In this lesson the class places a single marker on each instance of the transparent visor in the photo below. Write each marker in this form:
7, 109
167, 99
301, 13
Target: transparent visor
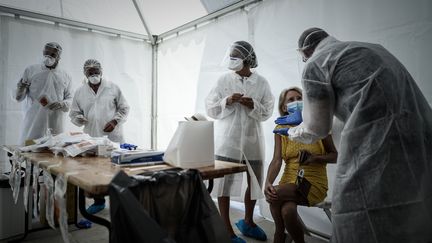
92, 71
302, 53
235, 52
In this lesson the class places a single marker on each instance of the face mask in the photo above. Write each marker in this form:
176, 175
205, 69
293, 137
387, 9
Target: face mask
95, 79
49, 61
294, 106
235, 64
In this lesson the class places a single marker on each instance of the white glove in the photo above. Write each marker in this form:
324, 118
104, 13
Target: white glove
23, 84
80, 119
22, 88
56, 106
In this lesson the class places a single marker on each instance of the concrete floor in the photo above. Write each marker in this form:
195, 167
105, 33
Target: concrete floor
99, 233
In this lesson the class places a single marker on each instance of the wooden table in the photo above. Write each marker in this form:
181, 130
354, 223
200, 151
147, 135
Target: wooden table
94, 174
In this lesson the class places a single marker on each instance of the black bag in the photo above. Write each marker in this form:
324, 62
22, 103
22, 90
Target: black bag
302, 184
164, 206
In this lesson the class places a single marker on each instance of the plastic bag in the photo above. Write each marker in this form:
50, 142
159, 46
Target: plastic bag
15, 176
172, 204
59, 195
49, 189
27, 183
35, 190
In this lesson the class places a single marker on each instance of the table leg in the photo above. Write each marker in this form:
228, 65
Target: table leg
210, 185
93, 218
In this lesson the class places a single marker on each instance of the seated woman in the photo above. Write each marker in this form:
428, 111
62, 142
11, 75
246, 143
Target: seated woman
301, 184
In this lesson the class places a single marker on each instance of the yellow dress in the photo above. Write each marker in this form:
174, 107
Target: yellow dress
315, 173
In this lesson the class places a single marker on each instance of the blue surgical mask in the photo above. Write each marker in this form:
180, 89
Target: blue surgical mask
294, 106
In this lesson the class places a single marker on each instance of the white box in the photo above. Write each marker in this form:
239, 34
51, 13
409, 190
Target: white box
192, 145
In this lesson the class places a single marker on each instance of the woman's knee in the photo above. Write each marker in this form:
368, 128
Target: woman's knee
286, 192
289, 209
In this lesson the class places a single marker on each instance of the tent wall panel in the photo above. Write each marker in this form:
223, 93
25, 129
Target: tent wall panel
125, 62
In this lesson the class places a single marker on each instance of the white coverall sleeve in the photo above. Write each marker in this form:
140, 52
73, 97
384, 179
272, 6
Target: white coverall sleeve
122, 109
67, 96
263, 109
76, 111
216, 106
318, 106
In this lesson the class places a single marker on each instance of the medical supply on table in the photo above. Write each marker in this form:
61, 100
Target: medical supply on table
136, 157
128, 146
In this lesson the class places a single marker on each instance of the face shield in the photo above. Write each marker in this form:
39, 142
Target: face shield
92, 67
302, 51
238, 54
93, 71
308, 40
51, 54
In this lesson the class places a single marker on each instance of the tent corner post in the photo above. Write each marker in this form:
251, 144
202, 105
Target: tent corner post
154, 104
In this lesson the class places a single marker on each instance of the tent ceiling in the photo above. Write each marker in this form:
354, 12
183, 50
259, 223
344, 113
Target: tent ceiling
160, 15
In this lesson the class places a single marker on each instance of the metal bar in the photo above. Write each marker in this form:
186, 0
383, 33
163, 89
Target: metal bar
319, 234
210, 185
152, 40
154, 97
208, 17
328, 213
93, 218
70, 22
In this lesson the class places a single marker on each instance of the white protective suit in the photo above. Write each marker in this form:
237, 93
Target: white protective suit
55, 85
99, 109
383, 186
238, 131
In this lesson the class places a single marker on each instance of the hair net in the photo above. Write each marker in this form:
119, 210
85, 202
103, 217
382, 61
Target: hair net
91, 63
54, 45
282, 98
247, 53
311, 37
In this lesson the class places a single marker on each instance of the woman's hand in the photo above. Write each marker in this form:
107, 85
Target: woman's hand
234, 98
307, 158
270, 193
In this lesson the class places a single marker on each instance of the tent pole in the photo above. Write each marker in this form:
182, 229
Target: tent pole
207, 18
152, 40
70, 22
154, 99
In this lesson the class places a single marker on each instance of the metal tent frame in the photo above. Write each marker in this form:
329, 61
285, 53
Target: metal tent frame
154, 40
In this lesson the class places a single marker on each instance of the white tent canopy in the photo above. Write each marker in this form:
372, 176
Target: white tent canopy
168, 78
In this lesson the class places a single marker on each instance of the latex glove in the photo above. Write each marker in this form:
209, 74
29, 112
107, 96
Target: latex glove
294, 118
22, 88
247, 101
80, 119
281, 131
234, 98
109, 127
22, 85
55, 106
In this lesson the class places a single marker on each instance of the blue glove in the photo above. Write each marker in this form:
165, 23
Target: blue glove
281, 131
294, 118
128, 146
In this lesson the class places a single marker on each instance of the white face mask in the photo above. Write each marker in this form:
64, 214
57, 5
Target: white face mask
95, 79
293, 106
235, 64
49, 61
